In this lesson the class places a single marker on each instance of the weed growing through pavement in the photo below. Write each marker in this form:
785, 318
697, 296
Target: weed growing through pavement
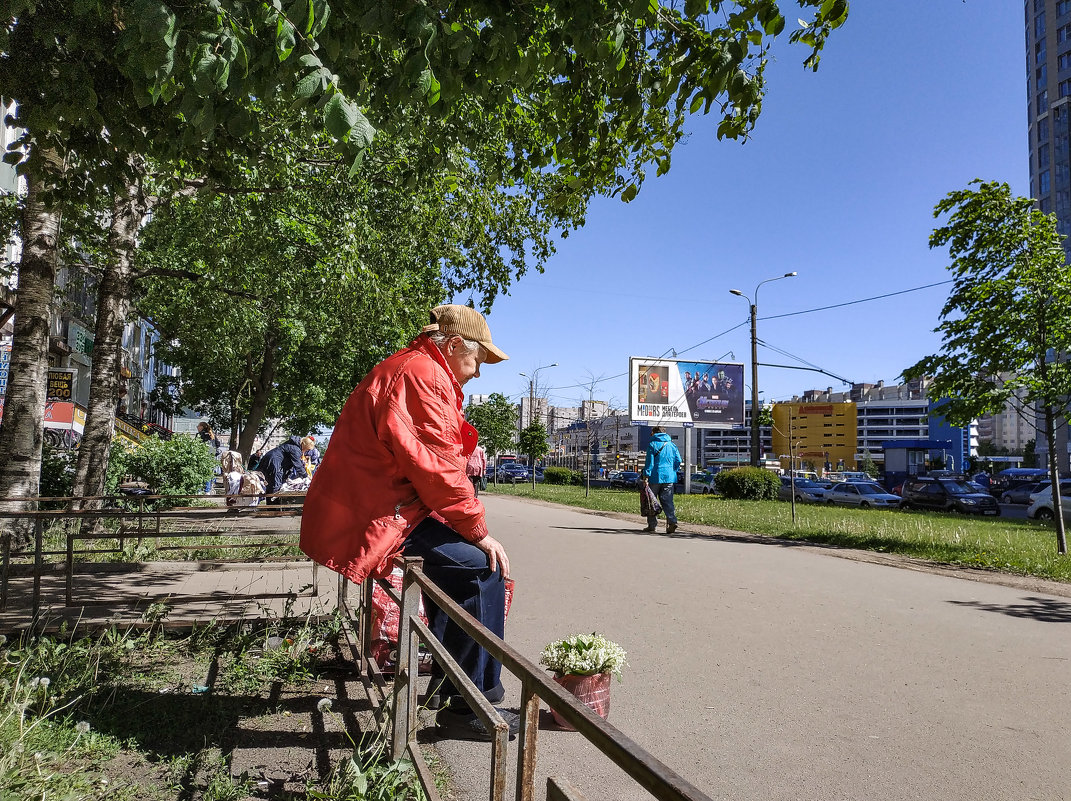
368, 773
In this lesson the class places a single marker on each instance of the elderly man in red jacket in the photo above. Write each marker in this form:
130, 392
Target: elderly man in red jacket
393, 481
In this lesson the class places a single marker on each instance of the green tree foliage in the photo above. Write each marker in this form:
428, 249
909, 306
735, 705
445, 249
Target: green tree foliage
1006, 326
533, 442
1030, 456
496, 422
747, 484
178, 466
585, 97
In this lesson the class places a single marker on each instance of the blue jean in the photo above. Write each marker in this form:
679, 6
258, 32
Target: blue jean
664, 493
462, 571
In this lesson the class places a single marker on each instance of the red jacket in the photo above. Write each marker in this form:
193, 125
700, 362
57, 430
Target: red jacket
397, 455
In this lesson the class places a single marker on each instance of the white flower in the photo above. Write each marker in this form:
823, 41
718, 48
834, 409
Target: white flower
45, 681
82, 726
323, 705
584, 655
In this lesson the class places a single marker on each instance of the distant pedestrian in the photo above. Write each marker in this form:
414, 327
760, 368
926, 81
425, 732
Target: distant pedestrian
660, 471
312, 456
281, 464
211, 441
476, 467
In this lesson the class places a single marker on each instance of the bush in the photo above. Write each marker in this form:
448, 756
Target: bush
57, 472
178, 466
557, 475
748, 484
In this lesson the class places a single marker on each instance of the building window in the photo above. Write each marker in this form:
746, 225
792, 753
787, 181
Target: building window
1043, 183
1039, 52
1063, 61
1063, 200
1046, 205
1043, 157
1039, 25
1062, 7
1043, 130
1041, 77
1043, 101
1065, 88
1063, 34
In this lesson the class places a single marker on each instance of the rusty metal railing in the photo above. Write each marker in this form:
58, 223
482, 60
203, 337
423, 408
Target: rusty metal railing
648, 771
136, 524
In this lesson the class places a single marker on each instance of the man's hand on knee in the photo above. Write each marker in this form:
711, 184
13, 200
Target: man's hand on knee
495, 553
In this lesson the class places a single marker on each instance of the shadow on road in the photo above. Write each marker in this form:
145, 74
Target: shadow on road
1045, 610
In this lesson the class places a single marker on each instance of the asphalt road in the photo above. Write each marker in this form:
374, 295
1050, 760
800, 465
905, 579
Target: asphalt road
763, 670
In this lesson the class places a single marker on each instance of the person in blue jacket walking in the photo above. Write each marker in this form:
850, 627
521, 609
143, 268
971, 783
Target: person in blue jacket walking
660, 471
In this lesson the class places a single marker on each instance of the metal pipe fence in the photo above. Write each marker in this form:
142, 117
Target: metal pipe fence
648, 771
141, 519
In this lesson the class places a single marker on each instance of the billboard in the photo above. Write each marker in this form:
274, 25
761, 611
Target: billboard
675, 392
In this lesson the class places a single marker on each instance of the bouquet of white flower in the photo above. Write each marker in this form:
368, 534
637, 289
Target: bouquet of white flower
584, 655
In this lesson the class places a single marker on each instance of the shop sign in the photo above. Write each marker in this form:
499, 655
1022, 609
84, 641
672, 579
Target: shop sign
80, 339
5, 366
60, 384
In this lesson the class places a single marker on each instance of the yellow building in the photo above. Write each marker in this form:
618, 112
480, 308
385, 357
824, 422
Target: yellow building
816, 434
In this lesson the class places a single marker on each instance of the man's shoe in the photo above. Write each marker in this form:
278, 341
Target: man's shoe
467, 726
671, 527
650, 528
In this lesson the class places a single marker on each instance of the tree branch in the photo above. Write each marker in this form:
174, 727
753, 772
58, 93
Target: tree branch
164, 272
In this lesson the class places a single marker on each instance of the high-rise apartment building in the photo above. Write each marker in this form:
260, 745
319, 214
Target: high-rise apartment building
1048, 84
1048, 93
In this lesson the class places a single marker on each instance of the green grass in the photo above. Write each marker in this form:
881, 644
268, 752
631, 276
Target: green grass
153, 717
1021, 547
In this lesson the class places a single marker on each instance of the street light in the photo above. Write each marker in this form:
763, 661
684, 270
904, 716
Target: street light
531, 404
754, 303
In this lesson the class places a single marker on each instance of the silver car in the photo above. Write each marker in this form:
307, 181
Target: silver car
862, 494
807, 491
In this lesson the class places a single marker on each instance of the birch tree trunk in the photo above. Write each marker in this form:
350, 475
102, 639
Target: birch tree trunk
113, 305
21, 434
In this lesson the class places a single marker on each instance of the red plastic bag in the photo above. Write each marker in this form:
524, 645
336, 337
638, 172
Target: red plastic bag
386, 618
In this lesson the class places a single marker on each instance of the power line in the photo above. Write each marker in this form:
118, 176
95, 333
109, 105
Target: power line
770, 317
853, 302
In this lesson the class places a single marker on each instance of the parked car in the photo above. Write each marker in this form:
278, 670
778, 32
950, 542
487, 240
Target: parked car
862, 494
1013, 477
511, 471
1041, 506
1022, 493
948, 495
807, 491
702, 484
626, 479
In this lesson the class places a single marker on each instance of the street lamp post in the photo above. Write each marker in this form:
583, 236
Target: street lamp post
753, 302
531, 405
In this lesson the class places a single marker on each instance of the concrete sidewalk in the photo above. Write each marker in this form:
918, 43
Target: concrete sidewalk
764, 669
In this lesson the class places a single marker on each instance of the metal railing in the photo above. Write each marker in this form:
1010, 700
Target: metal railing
648, 771
137, 521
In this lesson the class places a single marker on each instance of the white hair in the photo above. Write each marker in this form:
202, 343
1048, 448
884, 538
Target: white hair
440, 338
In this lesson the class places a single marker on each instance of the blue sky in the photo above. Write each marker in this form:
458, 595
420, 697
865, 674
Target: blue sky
913, 99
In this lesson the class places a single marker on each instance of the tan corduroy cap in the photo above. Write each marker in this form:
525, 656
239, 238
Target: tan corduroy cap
468, 323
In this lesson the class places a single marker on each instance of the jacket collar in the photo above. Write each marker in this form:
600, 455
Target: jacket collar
424, 345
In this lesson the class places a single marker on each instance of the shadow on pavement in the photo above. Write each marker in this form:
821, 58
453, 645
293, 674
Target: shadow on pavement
1044, 610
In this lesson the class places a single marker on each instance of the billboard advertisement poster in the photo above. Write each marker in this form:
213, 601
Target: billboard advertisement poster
675, 392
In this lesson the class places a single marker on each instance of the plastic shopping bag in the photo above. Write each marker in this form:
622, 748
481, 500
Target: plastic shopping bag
649, 505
